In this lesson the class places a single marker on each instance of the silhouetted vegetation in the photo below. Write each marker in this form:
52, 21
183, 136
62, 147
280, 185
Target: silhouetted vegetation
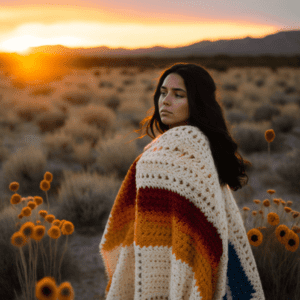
58, 64
217, 62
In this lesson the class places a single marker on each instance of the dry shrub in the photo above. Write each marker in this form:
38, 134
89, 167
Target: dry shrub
76, 98
4, 153
289, 169
128, 82
279, 98
251, 92
83, 154
291, 110
64, 107
128, 72
81, 131
115, 154
97, 73
102, 117
134, 110
9, 120
265, 112
250, 108
27, 166
86, 199
249, 139
236, 116
105, 84
113, 102
228, 101
230, 87
59, 145
50, 121
283, 123
30, 109
43, 91
83, 86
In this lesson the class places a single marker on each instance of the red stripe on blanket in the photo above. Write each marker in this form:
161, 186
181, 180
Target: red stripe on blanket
165, 218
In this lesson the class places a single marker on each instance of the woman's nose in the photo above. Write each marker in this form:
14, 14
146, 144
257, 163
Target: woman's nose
166, 100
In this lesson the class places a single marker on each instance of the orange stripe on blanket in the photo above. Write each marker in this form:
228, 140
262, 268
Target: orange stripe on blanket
122, 215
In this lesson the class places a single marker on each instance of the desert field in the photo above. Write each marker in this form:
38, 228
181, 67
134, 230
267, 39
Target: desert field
81, 128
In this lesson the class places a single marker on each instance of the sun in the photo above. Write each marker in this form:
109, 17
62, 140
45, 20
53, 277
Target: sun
22, 44
26, 65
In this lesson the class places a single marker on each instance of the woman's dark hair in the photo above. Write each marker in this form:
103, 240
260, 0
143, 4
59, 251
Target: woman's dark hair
206, 113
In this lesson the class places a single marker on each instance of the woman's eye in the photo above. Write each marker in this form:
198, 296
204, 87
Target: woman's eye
162, 93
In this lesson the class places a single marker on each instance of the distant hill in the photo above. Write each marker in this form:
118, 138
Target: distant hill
280, 43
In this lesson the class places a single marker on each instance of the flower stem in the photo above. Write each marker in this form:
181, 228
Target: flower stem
25, 271
65, 248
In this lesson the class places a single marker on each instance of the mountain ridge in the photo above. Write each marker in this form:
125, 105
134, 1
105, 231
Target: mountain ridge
280, 43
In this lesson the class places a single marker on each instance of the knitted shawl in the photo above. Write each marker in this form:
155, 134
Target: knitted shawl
174, 232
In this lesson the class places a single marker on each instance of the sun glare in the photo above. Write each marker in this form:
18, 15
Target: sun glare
22, 44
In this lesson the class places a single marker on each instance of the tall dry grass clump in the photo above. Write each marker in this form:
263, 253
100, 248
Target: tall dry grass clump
100, 116
28, 110
39, 264
50, 121
26, 165
273, 233
86, 199
58, 145
80, 131
114, 154
76, 98
289, 170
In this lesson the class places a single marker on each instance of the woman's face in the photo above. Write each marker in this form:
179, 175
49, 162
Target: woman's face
173, 98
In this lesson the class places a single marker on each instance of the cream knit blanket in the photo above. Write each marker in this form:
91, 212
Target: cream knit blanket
173, 232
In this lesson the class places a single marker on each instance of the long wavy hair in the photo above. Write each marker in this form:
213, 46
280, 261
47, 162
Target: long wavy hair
206, 113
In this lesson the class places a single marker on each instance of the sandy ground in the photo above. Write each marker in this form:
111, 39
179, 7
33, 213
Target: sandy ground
85, 249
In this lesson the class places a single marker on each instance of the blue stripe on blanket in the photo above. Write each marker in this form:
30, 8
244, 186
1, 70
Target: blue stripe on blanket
238, 283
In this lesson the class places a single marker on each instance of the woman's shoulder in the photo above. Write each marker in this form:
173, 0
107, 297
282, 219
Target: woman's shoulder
151, 143
186, 135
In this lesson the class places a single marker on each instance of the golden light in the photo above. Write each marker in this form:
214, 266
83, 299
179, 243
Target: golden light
95, 34
18, 44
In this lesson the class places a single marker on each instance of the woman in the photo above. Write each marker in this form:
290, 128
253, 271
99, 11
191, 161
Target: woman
175, 230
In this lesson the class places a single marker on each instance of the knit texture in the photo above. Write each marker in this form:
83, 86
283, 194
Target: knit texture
173, 232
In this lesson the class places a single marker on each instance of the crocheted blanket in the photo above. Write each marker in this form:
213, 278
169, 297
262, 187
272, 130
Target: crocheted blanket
173, 232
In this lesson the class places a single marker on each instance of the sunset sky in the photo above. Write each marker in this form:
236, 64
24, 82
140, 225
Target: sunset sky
136, 24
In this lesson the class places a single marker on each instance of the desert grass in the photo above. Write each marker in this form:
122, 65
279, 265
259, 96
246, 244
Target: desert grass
31, 234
